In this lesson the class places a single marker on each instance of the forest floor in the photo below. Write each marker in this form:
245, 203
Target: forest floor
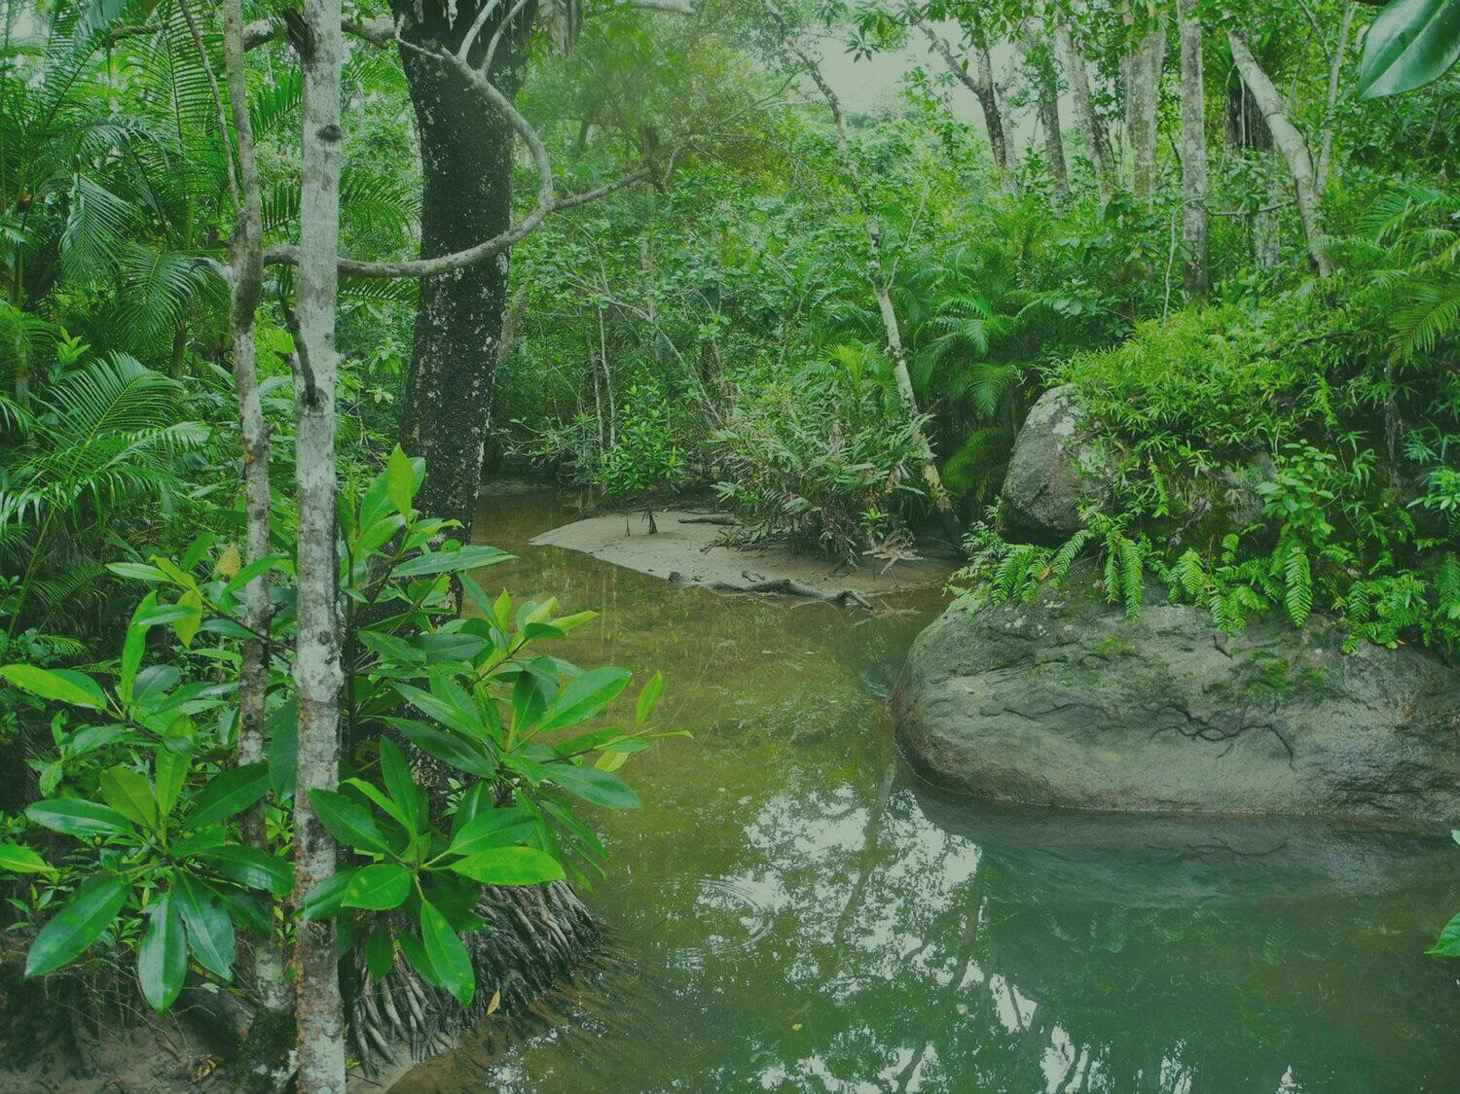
687, 549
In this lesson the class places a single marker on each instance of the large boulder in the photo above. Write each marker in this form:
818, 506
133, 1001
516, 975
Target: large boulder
1059, 466
1064, 702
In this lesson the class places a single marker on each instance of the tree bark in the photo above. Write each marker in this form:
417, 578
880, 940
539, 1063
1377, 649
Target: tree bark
1143, 97
1041, 57
246, 265
1291, 144
317, 671
1193, 151
466, 180
1335, 70
983, 89
1091, 131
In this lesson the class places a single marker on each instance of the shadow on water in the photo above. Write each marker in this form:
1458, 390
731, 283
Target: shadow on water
791, 910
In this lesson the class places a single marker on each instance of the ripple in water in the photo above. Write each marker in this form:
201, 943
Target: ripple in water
711, 918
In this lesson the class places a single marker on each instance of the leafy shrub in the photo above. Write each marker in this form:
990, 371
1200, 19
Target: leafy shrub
821, 469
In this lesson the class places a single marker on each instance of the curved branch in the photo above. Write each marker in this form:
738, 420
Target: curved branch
547, 200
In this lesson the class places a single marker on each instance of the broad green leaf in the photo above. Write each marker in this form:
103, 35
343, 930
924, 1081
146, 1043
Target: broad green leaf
253, 570
1410, 44
79, 923
324, 899
400, 481
229, 793
348, 822
509, 866
204, 839
584, 697
450, 562
383, 803
447, 749
378, 888
1448, 944
76, 817
133, 647
648, 696
252, 867
283, 749
210, 931
379, 953
129, 794
19, 859
419, 960
61, 686
170, 772
493, 828
137, 571
186, 628
162, 956
159, 614
399, 784
391, 648
447, 955
592, 785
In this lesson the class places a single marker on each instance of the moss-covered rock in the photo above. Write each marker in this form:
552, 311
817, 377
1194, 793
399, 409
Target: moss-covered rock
1063, 702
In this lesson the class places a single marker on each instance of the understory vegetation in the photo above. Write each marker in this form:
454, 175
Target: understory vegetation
282, 282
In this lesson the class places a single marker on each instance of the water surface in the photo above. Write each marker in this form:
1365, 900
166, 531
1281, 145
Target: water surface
792, 911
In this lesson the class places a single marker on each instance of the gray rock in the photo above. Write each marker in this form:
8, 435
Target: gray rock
1063, 702
1057, 468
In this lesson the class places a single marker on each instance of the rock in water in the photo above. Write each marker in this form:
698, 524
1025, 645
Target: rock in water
1058, 467
1064, 702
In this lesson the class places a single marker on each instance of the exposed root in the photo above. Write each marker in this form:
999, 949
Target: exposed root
534, 936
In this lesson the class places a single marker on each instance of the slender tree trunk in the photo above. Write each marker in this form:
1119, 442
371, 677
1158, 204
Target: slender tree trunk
1335, 70
246, 266
877, 274
1091, 131
1143, 98
317, 672
1041, 56
466, 197
1291, 144
982, 87
1193, 151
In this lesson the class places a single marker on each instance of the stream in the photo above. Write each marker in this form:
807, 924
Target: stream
792, 910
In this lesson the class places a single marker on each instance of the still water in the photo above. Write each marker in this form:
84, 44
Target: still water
793, 911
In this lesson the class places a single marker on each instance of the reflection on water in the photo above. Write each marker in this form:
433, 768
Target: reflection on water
793, 912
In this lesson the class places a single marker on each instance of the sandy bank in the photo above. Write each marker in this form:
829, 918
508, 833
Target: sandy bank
685, 550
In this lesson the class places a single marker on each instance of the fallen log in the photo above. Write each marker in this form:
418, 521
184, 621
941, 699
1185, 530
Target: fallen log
842, 597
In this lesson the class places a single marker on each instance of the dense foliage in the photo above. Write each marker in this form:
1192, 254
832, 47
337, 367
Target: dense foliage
726, 281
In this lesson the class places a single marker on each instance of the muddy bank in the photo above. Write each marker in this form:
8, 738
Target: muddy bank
685, 549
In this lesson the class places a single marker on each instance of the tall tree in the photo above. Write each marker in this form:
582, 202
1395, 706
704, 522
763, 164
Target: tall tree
1193, 150
981, 83
1092, 132
877, 272
1291, 144
466, 197
318, 677
1040, 56
1144, 66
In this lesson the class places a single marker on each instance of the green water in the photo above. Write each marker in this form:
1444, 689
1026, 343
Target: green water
792, 911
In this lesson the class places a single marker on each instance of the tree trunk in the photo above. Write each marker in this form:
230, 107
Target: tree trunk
246, 266
466, 180
1043, 60
1291, 144
1335, 70
317, 670
1193, 151
1143, 97
1091, 131
983, 89
877, 274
